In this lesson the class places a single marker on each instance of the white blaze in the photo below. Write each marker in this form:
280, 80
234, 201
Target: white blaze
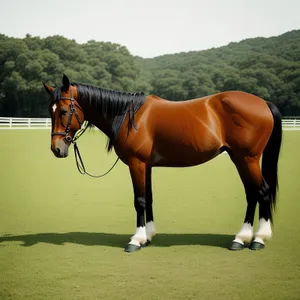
54, 107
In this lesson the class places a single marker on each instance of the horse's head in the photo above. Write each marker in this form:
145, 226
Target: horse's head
66, 115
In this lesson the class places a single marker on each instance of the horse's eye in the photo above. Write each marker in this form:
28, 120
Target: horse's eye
63, 113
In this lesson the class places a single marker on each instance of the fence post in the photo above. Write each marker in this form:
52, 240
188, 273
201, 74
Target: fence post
10, 122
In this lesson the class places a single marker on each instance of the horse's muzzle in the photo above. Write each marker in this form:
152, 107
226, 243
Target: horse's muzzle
60, 149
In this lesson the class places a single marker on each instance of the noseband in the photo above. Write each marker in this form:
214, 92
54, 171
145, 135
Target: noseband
68, 138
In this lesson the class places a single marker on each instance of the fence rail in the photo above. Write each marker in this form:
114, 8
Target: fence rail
45, 123
25, 123
291, 124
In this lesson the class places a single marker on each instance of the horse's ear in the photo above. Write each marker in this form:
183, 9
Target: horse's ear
49, 89
65, 82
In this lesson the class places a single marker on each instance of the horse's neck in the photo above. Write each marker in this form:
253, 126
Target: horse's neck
100, 122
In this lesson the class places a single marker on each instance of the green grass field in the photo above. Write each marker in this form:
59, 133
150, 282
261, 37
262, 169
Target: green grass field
62, 234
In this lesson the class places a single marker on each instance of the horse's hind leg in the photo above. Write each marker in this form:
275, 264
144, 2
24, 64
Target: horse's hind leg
264, 231
251, 177
150, 228
256, 191
246, 232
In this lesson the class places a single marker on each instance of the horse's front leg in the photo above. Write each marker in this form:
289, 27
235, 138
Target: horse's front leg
138, 176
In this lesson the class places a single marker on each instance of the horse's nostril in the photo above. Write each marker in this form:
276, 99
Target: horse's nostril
57, 151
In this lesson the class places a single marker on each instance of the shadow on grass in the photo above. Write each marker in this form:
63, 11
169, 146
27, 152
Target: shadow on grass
119, 240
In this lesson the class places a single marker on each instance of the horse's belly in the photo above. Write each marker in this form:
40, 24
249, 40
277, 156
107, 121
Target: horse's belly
182, 156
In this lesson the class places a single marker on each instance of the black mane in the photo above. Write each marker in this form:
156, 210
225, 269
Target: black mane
111, 105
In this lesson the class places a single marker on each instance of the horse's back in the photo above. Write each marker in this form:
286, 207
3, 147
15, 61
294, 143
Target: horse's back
226, 109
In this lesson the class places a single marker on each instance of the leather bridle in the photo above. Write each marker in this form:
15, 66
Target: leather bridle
79, 162
72, 105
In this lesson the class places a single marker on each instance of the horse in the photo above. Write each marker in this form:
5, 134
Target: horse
149, 131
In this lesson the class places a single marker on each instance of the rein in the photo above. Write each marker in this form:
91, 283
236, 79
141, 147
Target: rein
79, 162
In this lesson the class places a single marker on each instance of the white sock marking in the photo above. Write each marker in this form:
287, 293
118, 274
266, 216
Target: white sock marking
140, 237
259, 240
245, 234
238, 241
264, 231
150, 230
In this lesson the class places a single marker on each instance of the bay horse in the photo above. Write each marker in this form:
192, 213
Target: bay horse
148, 131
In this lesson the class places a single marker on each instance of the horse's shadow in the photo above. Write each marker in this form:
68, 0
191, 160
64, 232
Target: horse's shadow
118, 240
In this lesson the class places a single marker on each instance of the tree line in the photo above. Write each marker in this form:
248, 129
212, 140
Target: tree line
266, 67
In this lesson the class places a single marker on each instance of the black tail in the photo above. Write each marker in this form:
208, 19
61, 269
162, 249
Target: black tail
270, 157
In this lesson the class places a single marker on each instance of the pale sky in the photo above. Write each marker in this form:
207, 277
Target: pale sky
150, 28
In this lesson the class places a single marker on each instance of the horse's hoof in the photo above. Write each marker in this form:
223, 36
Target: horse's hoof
256, 246
132, 248
146, 244
235, 246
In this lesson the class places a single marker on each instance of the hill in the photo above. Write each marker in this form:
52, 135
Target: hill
267, 67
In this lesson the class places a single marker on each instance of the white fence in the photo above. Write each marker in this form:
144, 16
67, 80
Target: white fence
45, 123
291, 124
25, 123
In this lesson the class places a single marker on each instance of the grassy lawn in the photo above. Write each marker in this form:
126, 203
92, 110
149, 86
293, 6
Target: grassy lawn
62, 234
